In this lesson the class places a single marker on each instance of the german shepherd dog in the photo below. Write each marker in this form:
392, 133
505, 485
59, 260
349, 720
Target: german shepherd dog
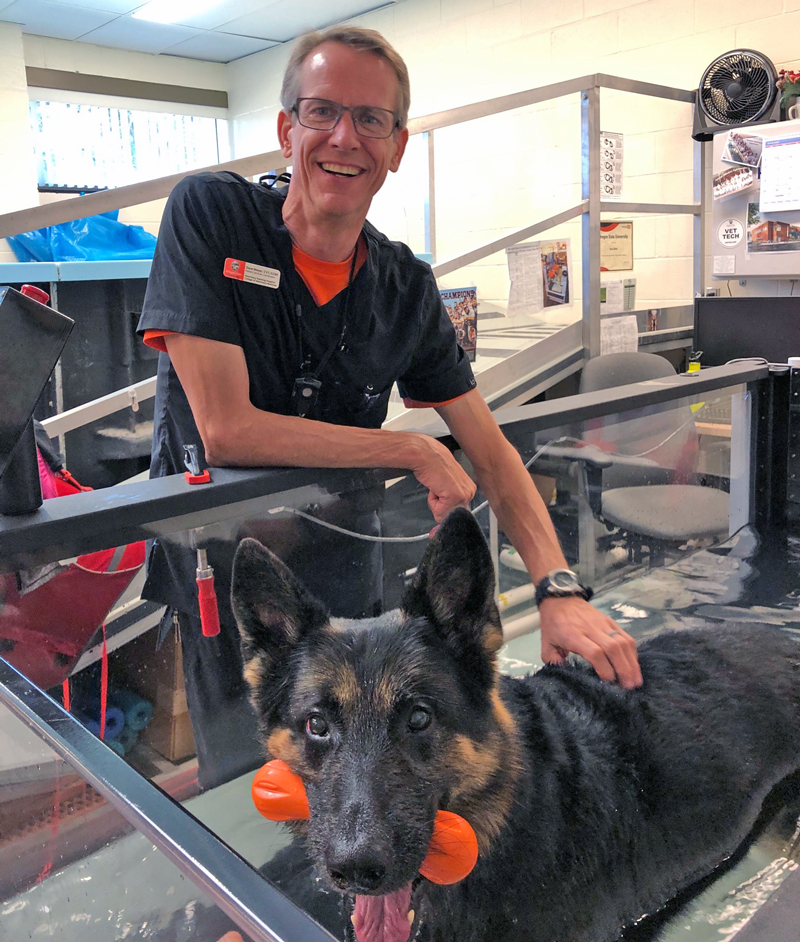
592, 805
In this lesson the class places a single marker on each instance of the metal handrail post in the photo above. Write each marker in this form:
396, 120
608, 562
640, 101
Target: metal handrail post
430, 205
590, 221
698, 223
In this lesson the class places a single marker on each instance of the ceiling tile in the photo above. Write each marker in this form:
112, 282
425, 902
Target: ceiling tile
57, 20
110, 6
243, 26
285, 19
127, 33
218, 47
222, 12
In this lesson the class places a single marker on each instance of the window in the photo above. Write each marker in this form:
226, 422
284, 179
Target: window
82, 147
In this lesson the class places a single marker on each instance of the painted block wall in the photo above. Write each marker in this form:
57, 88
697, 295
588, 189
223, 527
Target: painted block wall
18, 176
498, 174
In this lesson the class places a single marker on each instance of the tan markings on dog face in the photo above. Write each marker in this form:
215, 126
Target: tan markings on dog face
384, 694
344, 687
487, 774
476, 762
281, 745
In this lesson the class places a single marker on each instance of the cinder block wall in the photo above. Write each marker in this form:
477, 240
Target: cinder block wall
17, 169
497, 174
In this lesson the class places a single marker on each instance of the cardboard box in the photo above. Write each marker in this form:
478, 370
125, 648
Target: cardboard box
171, 736
156, 673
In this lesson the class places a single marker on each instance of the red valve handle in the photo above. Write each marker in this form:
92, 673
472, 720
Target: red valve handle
207, 601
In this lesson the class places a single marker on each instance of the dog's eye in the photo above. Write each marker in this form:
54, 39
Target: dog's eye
316, 725
420, 718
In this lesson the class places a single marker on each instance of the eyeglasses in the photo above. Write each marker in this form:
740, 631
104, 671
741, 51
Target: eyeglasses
319, 114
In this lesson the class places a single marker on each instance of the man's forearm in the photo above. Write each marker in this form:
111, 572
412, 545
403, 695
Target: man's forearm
268, 439
262, 438
521, 512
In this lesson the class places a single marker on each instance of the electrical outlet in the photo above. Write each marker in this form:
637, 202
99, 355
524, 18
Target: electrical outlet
712, 292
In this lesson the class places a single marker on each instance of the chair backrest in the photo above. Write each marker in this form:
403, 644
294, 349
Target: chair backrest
618, 369
665, 436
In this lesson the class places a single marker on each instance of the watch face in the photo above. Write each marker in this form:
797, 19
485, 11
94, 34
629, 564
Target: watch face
564, 579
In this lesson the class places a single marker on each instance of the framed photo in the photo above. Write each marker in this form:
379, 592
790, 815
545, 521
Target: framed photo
616, 246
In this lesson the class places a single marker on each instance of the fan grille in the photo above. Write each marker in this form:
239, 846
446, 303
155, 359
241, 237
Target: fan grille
737, 88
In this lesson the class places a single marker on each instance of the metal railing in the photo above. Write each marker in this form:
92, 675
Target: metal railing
139, 510
590, 209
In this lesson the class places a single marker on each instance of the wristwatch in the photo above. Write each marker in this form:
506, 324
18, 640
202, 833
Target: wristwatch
560, 583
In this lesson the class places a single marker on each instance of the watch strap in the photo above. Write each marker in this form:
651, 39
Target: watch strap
546, 589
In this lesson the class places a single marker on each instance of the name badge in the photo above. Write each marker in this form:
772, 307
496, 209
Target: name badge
255, 274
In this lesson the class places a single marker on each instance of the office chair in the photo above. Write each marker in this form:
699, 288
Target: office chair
648, 488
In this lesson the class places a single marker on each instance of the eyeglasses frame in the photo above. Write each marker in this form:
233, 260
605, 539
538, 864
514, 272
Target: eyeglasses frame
351, 108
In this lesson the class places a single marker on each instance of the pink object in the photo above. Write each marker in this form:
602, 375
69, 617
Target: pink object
46, 478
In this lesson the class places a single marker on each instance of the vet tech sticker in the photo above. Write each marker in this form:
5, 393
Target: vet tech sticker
254, 274
730, 233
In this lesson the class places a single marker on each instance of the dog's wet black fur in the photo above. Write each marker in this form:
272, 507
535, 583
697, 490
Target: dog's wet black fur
592, 805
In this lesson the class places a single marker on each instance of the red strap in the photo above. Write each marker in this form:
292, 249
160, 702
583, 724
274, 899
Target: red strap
103, 686
65, 693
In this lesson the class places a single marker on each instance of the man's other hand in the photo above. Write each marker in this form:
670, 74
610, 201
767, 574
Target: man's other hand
573, 625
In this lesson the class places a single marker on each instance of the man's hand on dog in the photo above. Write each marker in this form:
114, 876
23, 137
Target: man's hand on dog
573, 625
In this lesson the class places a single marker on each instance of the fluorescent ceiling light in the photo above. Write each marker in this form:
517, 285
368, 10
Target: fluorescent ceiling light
172, 11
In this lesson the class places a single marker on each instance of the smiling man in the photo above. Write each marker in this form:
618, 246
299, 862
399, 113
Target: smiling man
284, 320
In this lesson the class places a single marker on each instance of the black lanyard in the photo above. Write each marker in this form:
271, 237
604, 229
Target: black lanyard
307, 386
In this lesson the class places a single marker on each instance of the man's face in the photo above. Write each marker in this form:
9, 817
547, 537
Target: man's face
339, 171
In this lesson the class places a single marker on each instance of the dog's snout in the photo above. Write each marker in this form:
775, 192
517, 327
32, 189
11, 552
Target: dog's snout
362, 869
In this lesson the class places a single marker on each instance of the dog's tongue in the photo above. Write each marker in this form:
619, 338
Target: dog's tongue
383, 918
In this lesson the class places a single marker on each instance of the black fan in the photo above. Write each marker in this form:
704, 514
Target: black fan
738, 88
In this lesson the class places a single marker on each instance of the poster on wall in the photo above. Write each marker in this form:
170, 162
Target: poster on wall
611, 152
770, 235
462, 306
540, 274
616, 246
556, 270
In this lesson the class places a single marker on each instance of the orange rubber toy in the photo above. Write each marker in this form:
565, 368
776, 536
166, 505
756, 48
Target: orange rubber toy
279, 794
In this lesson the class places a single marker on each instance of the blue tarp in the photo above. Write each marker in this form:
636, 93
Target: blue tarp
93, 239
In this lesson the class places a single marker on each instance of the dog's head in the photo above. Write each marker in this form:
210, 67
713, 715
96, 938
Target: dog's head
387, 720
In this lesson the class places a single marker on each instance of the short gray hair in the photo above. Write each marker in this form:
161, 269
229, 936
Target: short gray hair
365, 40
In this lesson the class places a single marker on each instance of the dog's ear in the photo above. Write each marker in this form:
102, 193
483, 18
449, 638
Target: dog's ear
272, 607
454, 585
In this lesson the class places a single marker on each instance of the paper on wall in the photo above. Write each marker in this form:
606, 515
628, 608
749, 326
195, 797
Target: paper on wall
612, 297
780, 174
525, 271
724, 264
611, 151
619, 334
